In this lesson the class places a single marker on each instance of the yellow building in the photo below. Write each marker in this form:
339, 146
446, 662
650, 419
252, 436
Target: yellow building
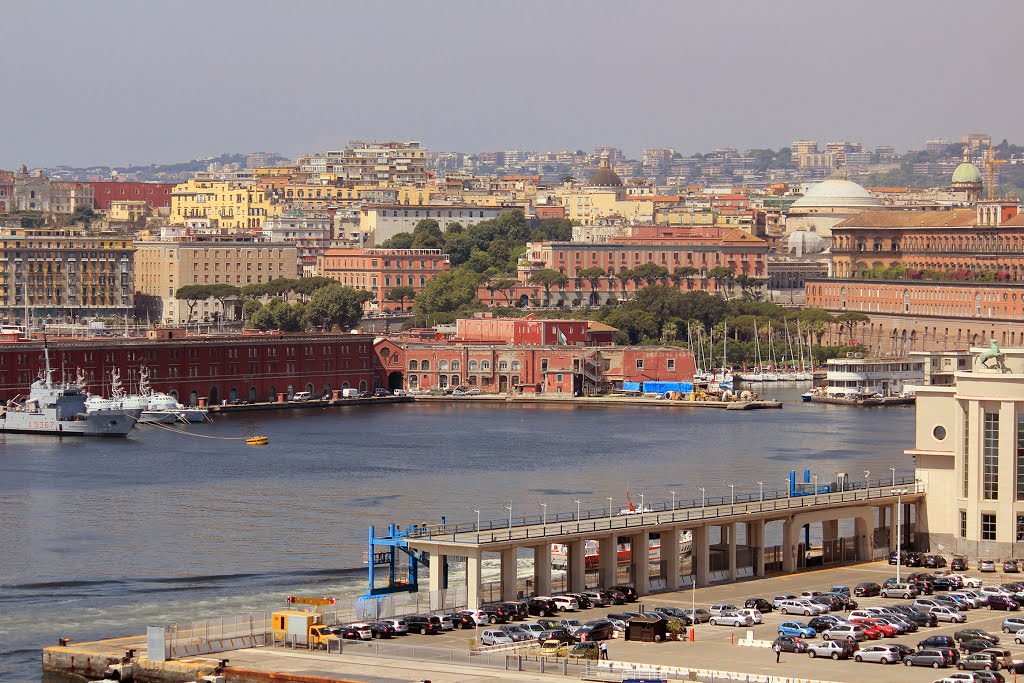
226, 205
128, 211
163, 267
63, 274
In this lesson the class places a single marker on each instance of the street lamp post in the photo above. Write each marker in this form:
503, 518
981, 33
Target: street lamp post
732, 495
641, 503
893, 475
815, 478
509, 508
544, 518
702, 492
673, 500
577, 501
610, 501
761, 484
867, 480
477, 520
899, 523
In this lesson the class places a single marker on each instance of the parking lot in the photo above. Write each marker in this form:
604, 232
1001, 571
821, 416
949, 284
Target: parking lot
714, 649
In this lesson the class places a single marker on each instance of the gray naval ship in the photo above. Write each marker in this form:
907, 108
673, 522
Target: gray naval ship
60, 409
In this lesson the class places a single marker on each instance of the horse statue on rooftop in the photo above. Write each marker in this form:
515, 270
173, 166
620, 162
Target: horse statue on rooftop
993, 354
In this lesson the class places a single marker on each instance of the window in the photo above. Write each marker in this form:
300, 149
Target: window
414, 365
639, 363
671, 363
442, 366
485, 365
1020, 528
990, 455
516, 366
558, 378
988, 527
963, 523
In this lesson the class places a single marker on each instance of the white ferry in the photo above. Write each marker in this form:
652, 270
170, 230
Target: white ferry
858, 377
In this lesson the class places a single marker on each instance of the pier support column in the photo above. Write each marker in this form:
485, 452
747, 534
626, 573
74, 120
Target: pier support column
473, 579
863, 525
830, 551
542, 569
670, 558
701, 555
640, 556
790, 540
576, 571
756, 541
437, 570
509, 576
608, 549
731, 528
920, 525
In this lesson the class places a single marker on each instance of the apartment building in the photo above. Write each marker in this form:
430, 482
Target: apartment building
220, 204
372, 163
379, 270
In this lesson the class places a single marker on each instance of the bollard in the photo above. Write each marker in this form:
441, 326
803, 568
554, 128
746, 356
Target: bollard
693, 632
733, 638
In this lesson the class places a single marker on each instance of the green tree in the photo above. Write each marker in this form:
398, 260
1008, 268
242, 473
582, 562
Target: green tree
593, 275
223, 292
427, 235
721, 275
505, 285
686, 273
446, 293
633, 325
651, 273
400, 294
548, 278
402, 240
335, 306
849, 321
192, 295
459, 246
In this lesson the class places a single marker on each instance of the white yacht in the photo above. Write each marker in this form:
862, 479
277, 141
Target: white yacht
857, 377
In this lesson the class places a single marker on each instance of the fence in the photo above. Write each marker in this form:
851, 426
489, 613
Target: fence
518, 661
400, 604
628, 671
205, 636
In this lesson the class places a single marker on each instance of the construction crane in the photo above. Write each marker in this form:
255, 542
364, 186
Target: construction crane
991, 166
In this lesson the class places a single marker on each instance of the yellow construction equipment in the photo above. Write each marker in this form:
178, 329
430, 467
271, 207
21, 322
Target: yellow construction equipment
991, 166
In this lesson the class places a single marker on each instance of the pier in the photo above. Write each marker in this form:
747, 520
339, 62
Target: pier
872, 507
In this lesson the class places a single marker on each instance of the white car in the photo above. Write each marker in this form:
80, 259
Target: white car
731, 619
479, 616
804, 607
533, 627
1018, 637
566, 604
828, 648
446, 623
754, 614
969, 581
722, 608
779, 599
971, 601
401, 627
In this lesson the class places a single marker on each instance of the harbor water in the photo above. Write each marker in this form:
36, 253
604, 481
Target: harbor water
101, 538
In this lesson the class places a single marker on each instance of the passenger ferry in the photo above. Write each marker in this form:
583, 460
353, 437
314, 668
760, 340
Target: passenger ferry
857, 377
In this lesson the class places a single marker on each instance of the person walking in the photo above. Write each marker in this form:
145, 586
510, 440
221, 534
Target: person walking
778, 652
604, 650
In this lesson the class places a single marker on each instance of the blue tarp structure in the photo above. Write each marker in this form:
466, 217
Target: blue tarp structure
664, 387
631, 386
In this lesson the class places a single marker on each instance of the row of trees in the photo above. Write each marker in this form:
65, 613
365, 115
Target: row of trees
328, 308
901, 272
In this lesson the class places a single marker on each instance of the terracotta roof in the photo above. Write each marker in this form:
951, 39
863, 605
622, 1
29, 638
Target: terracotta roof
957, 218
1016, 221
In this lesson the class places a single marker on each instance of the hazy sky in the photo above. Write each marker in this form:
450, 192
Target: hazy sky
134, 81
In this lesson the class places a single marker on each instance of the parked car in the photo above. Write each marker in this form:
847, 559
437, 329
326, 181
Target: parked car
615, 597
1002, 602
382, 629
358, 631
731, 619
958, 563
759, 604
560, 634
949, 614
401, 627
599, 629
628, 591
424, 623
517, 634
932, 658
828, 649
943, 583
935, 642
804, 607
867, 590
587, 650
1002, 655
541, 607
596, 598
840, 589
495, 637
583, 601
796, 629
479, 616
900, 590
986, 565
460, 620
823, 622
533, 627
553, 648
971, 633
850, 632
789, 644
722, 607
571, 625
496, 614
1011, 567
974, 645
701, 615
934, 561
881, 654
1013, 624
516, 610
676, 613
777, 600
755, 615
978, 661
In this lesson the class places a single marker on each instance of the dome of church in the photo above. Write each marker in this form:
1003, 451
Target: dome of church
605, 176
967, 173
836, 193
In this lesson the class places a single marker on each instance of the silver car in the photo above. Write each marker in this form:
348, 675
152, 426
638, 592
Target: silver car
881, 654
828, 648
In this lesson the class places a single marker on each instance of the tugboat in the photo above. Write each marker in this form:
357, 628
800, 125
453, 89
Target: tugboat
60, 409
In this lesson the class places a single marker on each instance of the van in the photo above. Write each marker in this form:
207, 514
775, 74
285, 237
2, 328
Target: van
1001, 656
350, 393
302, 396
424, 623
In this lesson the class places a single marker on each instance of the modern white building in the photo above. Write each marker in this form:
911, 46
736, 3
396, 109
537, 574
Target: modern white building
969, 449
865, 376
311, 235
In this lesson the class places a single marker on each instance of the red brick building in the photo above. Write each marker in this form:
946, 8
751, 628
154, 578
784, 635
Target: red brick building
251, 367
546, 211
537, 370
378, 270
156, 195
530, 331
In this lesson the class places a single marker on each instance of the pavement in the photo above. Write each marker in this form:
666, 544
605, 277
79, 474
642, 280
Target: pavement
713, 649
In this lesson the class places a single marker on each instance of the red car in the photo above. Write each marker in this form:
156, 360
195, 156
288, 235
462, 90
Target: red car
871, 630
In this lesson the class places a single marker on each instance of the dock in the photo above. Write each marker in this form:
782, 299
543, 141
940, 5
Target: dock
549, 399
306, 405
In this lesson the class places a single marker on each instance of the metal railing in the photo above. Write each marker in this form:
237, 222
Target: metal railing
205, 636
713, 508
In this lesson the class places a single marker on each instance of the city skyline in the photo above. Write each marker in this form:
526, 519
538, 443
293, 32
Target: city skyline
156, 83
